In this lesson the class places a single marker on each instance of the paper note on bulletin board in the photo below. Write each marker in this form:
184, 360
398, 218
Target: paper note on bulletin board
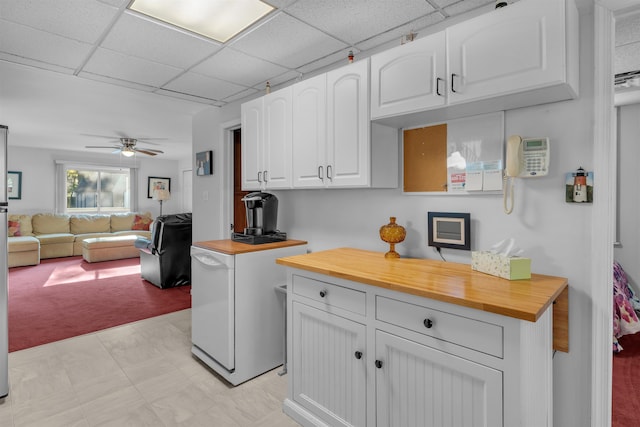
448, 156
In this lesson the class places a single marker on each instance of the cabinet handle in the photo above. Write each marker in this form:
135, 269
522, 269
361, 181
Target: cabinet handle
428, 323
378, 364
323, 294
259, 176
438, 80
329, 172
320, 174
358, 355
265, 176
452, 78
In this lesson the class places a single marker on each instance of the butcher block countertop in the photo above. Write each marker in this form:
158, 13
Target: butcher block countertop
438, 280
230, 247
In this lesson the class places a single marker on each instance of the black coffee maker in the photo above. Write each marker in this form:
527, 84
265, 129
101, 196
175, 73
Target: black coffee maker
262, 218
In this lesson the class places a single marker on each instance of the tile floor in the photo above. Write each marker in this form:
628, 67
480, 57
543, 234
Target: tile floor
139, 374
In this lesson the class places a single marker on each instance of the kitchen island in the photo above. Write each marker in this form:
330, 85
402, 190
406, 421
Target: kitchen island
398, 342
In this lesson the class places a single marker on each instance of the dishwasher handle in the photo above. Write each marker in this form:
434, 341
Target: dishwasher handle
207, 259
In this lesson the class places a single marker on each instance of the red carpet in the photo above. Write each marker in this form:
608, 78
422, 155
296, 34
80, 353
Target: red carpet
626, 383
66, 297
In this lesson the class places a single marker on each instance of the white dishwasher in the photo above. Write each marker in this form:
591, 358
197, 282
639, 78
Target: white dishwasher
237, 316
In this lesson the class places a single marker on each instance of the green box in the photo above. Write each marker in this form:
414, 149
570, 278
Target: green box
511, 268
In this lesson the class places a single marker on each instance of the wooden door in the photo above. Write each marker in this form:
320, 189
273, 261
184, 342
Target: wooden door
239, 215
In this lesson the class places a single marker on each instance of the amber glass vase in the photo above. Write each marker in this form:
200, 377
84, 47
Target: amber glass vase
392, 233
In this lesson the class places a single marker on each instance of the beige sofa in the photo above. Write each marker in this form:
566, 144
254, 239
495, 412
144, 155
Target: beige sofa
45, 235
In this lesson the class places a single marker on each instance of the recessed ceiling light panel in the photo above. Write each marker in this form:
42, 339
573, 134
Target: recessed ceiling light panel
216, 19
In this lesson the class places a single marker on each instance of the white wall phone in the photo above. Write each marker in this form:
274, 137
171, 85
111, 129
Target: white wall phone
525, 158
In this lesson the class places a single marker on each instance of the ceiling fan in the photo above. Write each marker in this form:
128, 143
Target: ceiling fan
128, 146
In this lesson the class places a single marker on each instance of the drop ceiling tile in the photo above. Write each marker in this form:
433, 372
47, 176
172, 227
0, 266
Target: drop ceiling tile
142, 37
467, 5
199, 99
279, 3
241, 95
443, 3
357, 20
119, 82
109, 63
238, 67
628, 29
286, 41
338, 58
32, 44
200, 85
627, 58
82, 20
399, 32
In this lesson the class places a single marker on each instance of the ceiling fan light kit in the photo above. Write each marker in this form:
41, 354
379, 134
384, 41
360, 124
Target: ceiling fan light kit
128, 148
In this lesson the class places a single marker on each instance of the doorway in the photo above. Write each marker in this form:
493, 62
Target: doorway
239, 212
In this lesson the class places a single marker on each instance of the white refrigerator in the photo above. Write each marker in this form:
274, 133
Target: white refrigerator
4, 330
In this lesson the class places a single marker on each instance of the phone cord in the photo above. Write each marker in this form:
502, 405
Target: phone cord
508, 190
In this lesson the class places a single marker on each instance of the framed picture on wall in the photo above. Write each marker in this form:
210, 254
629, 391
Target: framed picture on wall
157, 183
204, 160
14, 185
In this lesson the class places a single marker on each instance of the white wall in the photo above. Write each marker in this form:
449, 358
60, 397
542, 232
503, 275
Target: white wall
628, 232
554, 234
38, 173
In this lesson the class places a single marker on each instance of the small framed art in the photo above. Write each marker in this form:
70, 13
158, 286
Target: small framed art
204, 160
14, 185
157, 183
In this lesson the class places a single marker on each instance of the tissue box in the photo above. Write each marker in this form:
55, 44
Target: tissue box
512, 268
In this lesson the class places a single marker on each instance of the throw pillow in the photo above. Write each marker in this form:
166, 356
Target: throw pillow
14, 228
141, 223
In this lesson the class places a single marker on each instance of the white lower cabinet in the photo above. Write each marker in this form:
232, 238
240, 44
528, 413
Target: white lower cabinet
363, 355
417, 385
328, 354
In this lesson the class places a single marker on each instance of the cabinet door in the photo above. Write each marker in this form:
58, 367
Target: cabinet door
409, 78
329, 379
252, 143
277, 139
512, 49
310, 132
348, 148
417, 385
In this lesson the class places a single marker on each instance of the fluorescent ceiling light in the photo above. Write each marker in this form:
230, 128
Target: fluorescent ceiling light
216, 19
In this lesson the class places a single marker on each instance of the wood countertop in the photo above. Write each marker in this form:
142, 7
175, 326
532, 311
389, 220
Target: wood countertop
438, 280
230, 247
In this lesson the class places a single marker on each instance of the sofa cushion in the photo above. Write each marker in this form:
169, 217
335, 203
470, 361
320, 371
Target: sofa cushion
50, 223
50, 239
23, 244
13, 228
121, 222
82, 224
25, 223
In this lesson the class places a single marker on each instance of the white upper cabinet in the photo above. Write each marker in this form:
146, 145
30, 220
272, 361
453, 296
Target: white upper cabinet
310, 132
266, 142
516, 56
277, 139
411, 77
348, 147
252, 144
515, 48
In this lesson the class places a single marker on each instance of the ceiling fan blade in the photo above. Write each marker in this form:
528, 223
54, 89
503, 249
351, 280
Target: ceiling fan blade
102, 146
150, 153
151, 149
116, 151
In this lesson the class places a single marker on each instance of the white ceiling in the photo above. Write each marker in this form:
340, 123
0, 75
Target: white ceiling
72, 68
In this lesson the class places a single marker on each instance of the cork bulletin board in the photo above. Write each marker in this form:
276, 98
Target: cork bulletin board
436, 158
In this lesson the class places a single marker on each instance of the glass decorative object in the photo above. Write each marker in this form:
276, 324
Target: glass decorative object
393, 234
